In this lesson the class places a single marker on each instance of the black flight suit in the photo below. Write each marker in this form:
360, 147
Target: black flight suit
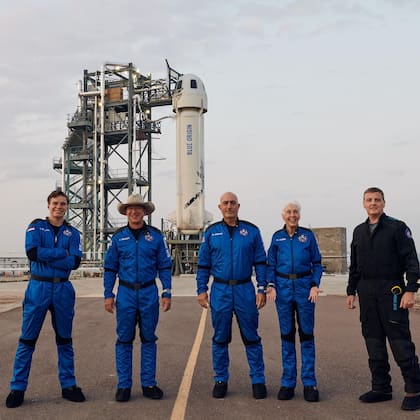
378, 262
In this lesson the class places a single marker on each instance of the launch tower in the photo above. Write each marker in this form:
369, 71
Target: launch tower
108, 151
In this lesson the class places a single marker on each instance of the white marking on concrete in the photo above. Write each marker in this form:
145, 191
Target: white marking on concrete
178, 410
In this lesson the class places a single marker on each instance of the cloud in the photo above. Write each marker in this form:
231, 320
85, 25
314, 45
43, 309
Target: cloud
308, 99
35, 129
404, 4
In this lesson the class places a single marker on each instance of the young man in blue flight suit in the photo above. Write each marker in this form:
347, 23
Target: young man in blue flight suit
229, 251
138, 253
294, 266
53, 248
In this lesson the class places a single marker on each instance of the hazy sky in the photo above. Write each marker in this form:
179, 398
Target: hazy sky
308, 100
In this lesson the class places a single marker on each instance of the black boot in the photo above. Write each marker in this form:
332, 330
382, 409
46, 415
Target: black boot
123, 394
375, 396
311, 393
152, 392
15, 399
259, 391
73, 393
220, 389
285, 393
411, 403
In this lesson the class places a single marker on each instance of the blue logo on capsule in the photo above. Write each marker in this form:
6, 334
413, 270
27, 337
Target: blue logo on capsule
189, 140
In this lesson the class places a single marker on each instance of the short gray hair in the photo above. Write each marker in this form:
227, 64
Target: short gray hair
291, 204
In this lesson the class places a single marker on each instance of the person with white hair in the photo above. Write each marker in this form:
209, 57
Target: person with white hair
137, 255
294, 266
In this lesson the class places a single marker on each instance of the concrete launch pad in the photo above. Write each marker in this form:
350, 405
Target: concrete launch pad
341, 364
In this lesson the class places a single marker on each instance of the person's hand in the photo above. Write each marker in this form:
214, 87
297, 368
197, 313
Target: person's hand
350, 302
109, 305
260, 300
203, 299
166, 304
313, 294
271, 294
407, 300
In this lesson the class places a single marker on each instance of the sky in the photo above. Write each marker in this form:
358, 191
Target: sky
308, 100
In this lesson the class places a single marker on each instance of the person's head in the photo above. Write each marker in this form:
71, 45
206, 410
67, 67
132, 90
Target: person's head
57, 205
291, 215
135, 209
55, 194
229, 207
374, 203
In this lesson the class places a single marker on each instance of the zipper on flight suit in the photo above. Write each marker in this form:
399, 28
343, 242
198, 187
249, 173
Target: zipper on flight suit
292, 258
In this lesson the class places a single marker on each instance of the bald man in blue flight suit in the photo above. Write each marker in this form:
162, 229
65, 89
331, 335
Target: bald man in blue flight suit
229, 251
53, 248
137, 255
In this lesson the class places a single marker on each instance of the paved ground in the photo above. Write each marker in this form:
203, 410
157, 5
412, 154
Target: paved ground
341, 364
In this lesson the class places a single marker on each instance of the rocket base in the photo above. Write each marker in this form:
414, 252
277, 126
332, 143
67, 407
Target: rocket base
184, 253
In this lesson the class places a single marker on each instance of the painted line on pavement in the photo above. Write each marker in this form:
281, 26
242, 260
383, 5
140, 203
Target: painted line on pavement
178, 410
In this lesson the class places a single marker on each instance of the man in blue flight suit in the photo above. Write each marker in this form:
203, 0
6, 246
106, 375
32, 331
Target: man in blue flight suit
138, 253
229, 251
54, 249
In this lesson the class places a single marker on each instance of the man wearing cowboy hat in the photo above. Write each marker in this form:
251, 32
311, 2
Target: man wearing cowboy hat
137, 255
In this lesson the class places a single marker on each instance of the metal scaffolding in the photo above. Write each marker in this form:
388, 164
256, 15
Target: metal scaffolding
108, 151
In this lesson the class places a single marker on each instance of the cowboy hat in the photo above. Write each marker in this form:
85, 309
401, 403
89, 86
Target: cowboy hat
136, 200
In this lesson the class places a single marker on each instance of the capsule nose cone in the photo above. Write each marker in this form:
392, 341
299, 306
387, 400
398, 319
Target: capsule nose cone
189, 93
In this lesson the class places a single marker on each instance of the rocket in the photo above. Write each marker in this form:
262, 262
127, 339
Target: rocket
189, 102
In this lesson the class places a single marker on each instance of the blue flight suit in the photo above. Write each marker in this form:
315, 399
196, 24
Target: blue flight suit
137, 262
53, 252
229, 255
294, 266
